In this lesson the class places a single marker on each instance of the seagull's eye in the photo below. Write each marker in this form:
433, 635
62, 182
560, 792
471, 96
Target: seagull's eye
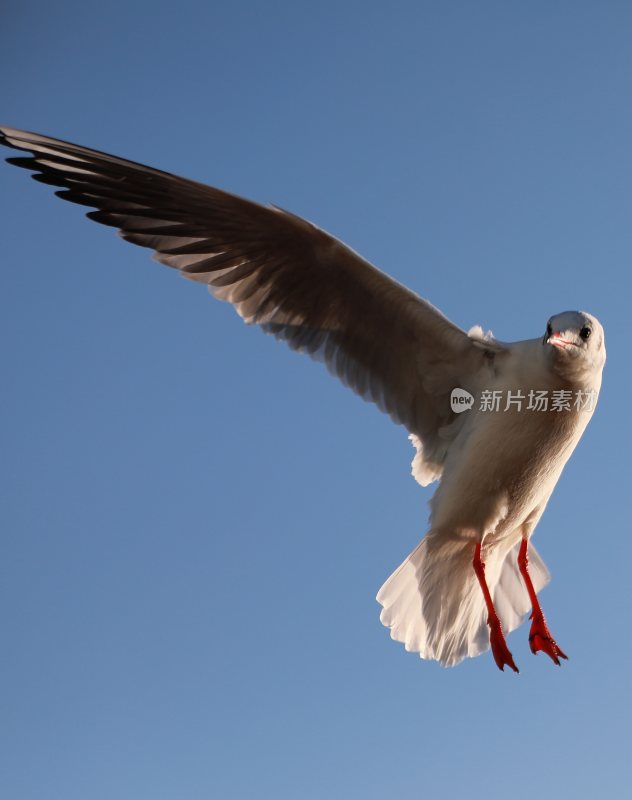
585, 333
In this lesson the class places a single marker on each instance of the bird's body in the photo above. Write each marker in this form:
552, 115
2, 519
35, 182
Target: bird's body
497, 466
500, 470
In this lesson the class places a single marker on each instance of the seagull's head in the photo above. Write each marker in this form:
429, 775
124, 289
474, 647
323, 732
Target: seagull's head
575, 343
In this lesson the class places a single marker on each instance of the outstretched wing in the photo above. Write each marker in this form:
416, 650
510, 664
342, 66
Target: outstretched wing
279, 271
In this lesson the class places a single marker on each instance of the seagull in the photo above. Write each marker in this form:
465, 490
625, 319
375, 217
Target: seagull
493, 422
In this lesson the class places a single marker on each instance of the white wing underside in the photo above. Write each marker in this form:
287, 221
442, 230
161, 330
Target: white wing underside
283, 273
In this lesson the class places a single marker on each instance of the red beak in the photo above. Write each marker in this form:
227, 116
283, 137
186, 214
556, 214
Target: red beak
556, 340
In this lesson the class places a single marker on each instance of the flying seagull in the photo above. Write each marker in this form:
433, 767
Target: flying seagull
493, 422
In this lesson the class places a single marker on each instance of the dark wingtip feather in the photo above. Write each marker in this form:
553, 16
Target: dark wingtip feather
74, 197
22, 161
50, 178
102, 216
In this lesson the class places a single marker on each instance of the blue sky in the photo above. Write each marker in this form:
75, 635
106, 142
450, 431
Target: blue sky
196, 520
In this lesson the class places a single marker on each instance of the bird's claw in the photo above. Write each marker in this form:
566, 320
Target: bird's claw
540, 639
500, 651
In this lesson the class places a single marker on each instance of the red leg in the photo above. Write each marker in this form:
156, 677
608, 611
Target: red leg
500, 650
539, 636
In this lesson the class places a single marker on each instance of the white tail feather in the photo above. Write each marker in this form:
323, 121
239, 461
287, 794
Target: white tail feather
434, 605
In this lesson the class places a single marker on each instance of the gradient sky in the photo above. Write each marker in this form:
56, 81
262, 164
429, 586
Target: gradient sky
195, 520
